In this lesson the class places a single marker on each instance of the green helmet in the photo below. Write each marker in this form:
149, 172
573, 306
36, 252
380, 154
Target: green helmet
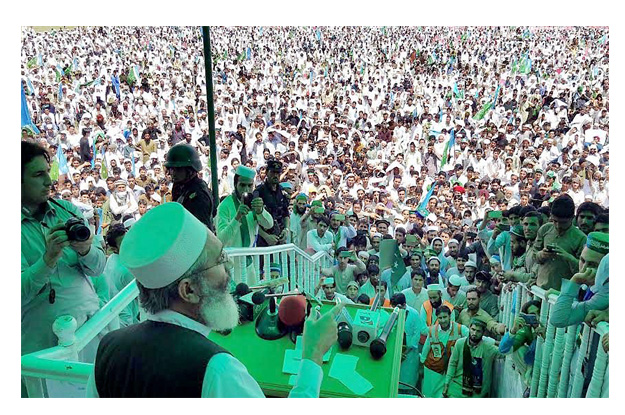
183, 155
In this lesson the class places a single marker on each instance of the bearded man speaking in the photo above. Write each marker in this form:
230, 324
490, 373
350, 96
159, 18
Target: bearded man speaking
182, 275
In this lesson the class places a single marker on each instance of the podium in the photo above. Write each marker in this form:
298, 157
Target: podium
264, 358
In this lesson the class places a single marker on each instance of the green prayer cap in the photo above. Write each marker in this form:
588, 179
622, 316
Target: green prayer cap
411, 239
245, 171
518, 231
598, 242
274, 266
301, 196
286, 185
339, 216
316, 203
345, 254
318, 209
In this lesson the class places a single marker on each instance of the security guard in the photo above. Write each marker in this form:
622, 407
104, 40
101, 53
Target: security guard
183, 163
276, 203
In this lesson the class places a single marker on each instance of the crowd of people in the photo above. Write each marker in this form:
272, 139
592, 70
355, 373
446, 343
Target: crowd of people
482, 151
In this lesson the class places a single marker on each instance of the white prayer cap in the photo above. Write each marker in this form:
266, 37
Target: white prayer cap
470, 263
433, 258
164, 244
434, 287
129, 222
455, 280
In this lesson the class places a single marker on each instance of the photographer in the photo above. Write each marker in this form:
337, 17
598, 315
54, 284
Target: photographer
239, 215
56, 258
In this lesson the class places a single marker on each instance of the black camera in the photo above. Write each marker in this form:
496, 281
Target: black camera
76, 230
246, 198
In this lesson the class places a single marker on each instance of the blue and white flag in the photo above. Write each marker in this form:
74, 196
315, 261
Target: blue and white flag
63, 167
60, 92
27, 122
115, 82
29, 85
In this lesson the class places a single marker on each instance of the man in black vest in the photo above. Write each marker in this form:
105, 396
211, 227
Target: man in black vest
183, 163
181, 272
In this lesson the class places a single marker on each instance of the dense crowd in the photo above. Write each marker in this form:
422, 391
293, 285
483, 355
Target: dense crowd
482, 151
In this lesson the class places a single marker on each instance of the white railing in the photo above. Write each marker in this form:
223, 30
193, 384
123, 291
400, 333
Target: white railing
301, 268
60, 363
552, 374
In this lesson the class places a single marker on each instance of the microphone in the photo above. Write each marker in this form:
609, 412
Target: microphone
378, 346
345, 335
292, 310
259, 297
291, 315
271, 284
268, 325
246, 310
344, 327
376, 302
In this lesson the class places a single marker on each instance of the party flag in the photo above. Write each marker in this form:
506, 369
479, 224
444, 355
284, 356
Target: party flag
27, 122
390, 257
450, 145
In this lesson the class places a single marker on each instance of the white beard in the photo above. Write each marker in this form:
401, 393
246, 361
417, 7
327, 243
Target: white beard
218, 310
121, 197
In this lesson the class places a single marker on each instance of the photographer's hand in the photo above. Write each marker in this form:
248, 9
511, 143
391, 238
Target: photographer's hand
242, 212
82, 248
55, 242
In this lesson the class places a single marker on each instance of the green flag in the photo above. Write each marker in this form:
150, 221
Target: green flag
483, 111
54, 170
132, 76
32, 62
103, 170
514, 67
390, 257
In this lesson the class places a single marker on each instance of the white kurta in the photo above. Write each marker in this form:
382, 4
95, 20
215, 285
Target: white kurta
226, 377
409, 370
229, 232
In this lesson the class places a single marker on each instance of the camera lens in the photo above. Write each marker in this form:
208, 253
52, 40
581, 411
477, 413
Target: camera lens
363, 336
81, 232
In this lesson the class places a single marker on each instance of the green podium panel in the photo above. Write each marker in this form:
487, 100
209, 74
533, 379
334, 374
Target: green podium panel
264, 359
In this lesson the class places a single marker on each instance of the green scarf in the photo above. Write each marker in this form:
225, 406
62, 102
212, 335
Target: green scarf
471, 374
337, 238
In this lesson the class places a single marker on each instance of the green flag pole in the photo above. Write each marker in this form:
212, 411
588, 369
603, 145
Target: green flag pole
208, 67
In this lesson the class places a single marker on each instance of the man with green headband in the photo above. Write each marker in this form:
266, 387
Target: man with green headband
594, 272
301, 221
469, 372
239, 216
